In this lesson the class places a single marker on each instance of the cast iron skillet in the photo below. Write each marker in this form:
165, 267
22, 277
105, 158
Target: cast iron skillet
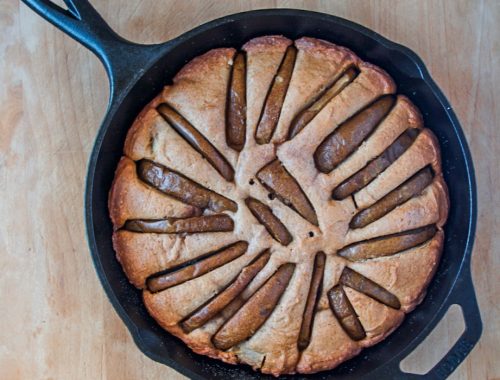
138, 72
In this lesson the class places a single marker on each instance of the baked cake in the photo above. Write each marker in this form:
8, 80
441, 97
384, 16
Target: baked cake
279, 206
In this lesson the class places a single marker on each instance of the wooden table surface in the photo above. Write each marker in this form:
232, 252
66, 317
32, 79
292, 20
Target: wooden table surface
56, 320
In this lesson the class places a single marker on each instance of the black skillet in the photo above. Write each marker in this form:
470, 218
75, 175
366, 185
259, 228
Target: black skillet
138, 72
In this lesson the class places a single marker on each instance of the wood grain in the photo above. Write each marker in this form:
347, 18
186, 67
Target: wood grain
57, 322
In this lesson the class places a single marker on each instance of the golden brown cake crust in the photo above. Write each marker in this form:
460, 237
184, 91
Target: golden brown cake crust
297, 195
269, 43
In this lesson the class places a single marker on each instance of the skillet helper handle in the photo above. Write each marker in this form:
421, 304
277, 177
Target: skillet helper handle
123, 60
463, 294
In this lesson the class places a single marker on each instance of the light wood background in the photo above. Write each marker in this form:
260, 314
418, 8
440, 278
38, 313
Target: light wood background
56, 322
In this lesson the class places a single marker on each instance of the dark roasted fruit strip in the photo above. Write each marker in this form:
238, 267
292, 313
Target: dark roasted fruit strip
236, 105
196, 140
266, 217
312, 301
275, 98
305, 116
209, 310
387, 245
343, 310
348, 136
362, 178
180, 187
276, 178
364, 285
208, 223
410, 188
252, 315
196, 268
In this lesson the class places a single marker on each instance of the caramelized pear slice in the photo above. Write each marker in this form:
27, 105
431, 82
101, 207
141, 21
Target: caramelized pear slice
208, 223
305, 116
343, 310
312, 301
196, 140
180, 187
236, 108
364, 285
275, 98
252, 315
387, 245
195, 268
410, 188
266, 217
362, 178
348, 136
276, 178
214, 306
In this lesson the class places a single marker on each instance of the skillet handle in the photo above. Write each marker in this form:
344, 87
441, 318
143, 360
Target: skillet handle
124, 60
463, 294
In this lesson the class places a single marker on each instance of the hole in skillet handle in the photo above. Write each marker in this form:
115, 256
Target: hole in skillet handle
437, 344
